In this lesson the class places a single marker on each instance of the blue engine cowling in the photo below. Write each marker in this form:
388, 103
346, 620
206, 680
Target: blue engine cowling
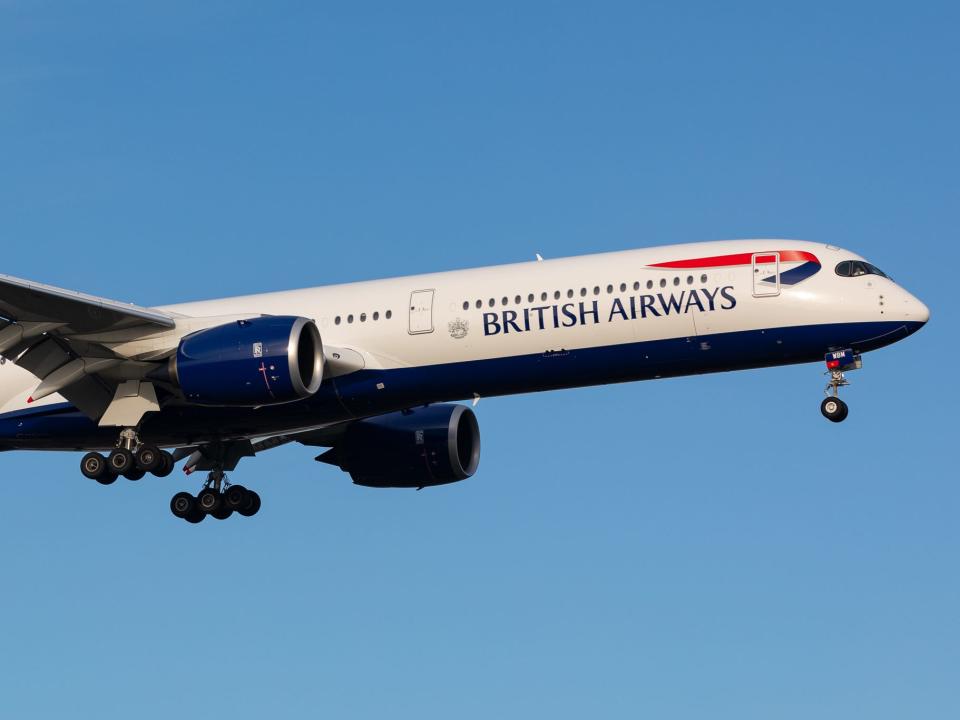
426, 446
261, 361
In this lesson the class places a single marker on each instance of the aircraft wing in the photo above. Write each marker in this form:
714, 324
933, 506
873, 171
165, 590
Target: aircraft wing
75, 312
61, 337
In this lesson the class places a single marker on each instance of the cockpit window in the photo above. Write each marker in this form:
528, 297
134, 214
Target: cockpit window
856, 268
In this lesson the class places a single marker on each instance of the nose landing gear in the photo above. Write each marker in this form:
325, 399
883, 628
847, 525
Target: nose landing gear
833, 408
218, 499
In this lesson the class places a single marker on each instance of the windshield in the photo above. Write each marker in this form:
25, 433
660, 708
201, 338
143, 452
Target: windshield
856, 268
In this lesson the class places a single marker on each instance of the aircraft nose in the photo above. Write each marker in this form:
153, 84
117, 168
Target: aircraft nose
915, 311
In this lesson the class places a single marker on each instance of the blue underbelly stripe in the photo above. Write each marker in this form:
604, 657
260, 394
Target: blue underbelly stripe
62, 426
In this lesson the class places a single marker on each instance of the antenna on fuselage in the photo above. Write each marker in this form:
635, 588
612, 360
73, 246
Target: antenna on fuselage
539, 257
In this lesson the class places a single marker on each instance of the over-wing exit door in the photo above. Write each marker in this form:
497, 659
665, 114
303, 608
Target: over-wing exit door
421, 312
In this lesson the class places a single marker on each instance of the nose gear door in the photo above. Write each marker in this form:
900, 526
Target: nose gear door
421, 312
766, 274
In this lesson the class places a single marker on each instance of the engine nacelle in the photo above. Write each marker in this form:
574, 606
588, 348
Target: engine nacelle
261, 361
427, 446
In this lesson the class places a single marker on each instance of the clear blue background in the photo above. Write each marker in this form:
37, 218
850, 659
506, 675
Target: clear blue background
700, 547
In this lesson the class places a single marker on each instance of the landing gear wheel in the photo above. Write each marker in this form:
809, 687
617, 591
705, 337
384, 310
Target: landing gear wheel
120, 461
834, 409
134, 474
166, 464
209, 501
235, 497
252, 505
108, 478
222, 512
93, 466
196, 516
149, 458
183, 504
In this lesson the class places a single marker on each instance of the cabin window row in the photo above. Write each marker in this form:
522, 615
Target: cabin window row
363, 317
557, 295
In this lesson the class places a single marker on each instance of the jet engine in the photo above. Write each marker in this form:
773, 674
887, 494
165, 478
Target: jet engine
261, 361
417, 448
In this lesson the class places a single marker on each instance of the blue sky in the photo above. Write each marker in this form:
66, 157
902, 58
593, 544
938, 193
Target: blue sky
682, 548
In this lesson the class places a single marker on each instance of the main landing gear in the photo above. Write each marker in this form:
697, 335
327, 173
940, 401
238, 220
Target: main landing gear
833, 408
131, 458
218, 498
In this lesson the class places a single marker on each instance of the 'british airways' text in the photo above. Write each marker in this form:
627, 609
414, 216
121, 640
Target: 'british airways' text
588, 312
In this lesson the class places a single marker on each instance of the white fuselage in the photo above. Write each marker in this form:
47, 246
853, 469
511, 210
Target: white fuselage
552, 312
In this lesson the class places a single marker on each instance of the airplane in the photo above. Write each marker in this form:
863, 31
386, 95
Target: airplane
370, 370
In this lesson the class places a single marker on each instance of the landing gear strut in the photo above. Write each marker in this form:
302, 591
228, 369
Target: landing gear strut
833, 408
218, 499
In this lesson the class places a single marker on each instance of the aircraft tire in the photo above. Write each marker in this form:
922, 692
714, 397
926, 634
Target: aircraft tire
135, 474
120, 461
183, 504
834, 409
209, 501
222, 512
108, 478
196, 516
235, 497
253, 505
149, 458
93, 466
166, 464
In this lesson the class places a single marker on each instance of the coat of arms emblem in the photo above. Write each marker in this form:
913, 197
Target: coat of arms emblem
458, 328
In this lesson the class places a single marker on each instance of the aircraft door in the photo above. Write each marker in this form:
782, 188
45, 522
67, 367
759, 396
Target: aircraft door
766, 274
421, 312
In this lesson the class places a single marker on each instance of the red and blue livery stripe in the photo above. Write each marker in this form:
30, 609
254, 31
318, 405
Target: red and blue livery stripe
809, 263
